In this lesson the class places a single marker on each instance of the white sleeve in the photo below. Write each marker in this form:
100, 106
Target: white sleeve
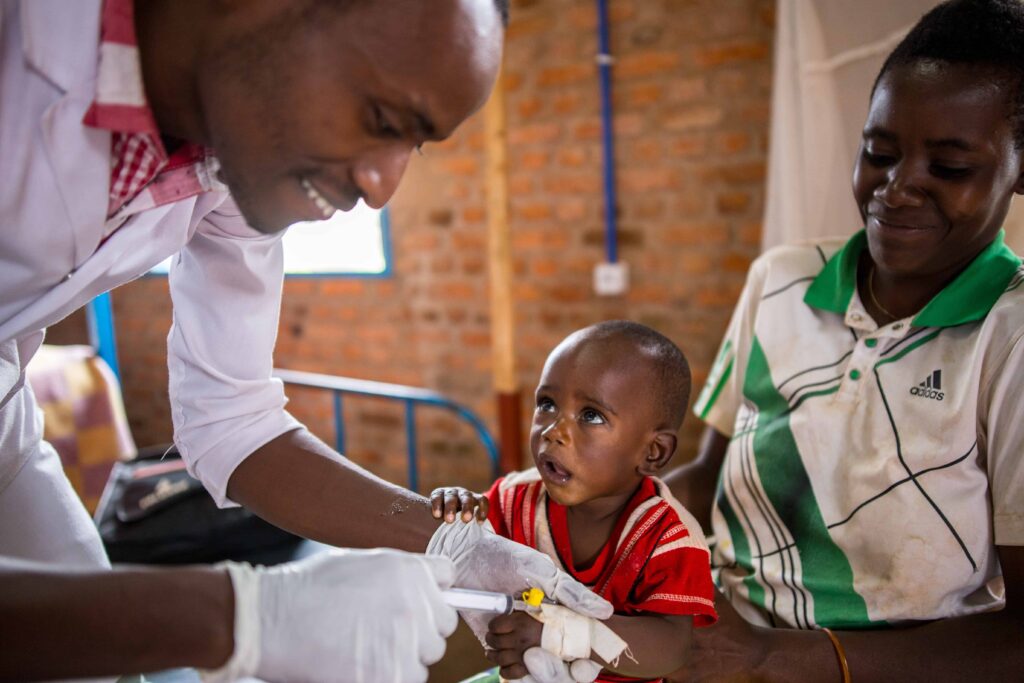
1002, 436
722, 395
226, 290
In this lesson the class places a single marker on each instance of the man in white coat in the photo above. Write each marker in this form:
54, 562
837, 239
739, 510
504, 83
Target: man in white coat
123, 127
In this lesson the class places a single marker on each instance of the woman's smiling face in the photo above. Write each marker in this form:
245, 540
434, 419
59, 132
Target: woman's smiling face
937, 168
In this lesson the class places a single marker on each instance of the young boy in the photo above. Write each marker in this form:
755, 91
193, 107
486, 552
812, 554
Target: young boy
609, 403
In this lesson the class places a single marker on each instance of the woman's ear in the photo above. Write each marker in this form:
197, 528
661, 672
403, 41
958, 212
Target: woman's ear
659, 451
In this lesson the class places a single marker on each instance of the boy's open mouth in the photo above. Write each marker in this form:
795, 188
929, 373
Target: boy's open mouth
552, 470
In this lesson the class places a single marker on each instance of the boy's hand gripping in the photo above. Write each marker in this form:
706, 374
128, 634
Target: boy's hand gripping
447, 502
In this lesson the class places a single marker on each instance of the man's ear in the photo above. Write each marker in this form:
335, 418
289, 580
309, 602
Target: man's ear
659, 451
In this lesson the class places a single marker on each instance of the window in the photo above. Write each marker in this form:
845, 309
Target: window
355, 242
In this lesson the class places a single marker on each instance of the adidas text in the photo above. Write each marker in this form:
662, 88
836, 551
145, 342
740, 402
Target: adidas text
927, 393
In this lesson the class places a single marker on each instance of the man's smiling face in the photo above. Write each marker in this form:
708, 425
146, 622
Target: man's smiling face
311, 108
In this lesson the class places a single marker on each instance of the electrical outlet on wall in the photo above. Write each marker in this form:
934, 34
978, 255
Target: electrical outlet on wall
611, 279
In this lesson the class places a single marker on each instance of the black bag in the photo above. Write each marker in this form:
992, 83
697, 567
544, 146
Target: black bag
153, 512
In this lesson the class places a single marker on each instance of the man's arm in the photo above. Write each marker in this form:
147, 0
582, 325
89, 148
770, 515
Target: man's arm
693, 484
77, 624
299, 483
983, 647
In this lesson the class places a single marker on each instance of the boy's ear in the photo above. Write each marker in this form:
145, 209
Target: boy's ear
659, 451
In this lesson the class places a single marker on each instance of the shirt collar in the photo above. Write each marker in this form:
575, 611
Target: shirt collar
966, 299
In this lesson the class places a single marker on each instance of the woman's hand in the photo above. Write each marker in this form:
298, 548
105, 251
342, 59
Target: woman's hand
445, 502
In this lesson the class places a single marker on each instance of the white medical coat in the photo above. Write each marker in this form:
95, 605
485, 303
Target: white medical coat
225, 279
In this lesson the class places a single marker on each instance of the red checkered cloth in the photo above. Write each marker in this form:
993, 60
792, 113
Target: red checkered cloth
142, 174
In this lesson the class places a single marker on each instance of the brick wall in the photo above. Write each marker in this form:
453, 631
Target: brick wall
691, 81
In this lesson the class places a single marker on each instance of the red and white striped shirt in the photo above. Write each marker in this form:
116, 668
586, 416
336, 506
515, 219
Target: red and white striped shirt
656, 560
142, 175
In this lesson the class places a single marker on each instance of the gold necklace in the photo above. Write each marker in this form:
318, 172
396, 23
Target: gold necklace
874, 299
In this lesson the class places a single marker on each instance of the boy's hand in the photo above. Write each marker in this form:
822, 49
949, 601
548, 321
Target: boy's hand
509, 636
446, 502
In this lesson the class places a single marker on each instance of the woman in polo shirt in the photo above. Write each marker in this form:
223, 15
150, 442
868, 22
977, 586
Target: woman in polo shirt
864, 428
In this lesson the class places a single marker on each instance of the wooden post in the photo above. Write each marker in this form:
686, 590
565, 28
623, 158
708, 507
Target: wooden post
499, 247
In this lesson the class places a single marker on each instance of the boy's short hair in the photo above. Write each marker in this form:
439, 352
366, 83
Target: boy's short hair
670, 366
986, 33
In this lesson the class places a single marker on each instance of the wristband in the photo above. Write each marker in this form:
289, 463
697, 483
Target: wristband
844, 666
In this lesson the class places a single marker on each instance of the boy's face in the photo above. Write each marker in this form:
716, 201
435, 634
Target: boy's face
937, 167
595, 420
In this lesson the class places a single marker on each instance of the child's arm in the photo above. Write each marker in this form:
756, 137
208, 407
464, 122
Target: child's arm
660, 644
447, 501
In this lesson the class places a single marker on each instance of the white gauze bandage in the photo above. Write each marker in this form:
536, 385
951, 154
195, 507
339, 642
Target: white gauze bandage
570, 636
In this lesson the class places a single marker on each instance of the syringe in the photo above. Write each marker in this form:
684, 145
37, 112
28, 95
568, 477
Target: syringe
495, 603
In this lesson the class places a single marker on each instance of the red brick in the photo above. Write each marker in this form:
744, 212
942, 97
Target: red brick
573, 184
531, 212
558, 76
689, 145
733, 202
529, 107
520, 184
534, 134
731, 53
642, 95
571, 210
469, 240
566, 103
735, 262
532, 238
732, 142
737, 173
474, 214
342, 287
461, 165
641, 179
692, 233
475, 339
421, 240
690, 89
589, 129
647, 63
533, 159
629, 125
697, 116
573, 157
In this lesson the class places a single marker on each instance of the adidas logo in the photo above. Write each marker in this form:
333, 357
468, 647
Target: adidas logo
931, 387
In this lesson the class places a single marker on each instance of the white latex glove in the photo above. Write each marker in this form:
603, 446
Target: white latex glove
344, 615
545, 667
487, 561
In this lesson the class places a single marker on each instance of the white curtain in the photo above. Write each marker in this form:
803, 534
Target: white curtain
827, 54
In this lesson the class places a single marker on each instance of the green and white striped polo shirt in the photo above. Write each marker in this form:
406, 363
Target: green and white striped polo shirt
871, 470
